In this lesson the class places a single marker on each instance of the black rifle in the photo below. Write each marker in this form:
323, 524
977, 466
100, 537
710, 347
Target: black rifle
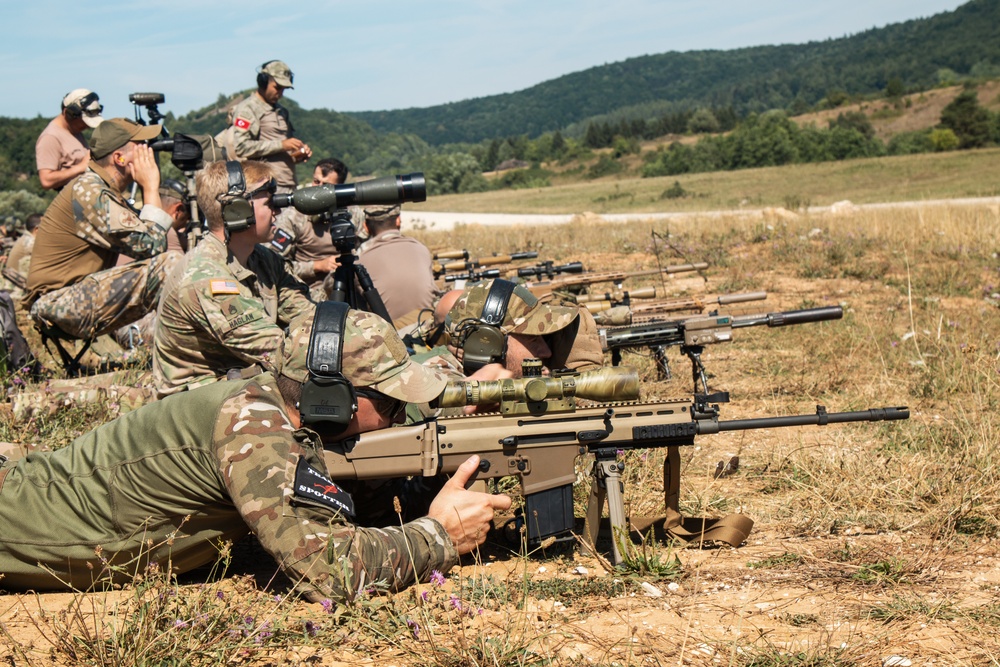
694, 333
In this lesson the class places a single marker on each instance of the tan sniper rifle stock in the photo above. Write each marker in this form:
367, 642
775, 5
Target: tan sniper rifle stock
540, 431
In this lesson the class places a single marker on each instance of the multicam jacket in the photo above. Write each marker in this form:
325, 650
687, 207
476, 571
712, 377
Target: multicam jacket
176, 478
215, 315
85, 228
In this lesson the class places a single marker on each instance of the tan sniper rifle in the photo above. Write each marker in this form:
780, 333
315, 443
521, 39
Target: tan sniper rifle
621, 312
472, 264
540, 431
546, 287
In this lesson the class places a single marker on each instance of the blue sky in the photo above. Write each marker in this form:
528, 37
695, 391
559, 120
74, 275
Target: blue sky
377, 54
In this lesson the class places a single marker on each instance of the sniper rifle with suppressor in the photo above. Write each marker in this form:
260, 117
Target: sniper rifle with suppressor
694, 333
609, 313
540, 431
546, 287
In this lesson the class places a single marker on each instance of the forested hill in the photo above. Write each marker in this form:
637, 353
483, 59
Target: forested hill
918, 53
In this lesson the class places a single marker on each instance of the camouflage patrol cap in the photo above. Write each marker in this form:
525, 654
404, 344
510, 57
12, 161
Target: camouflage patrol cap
525, 313
373, 356
279, 71
114, 133
380, 214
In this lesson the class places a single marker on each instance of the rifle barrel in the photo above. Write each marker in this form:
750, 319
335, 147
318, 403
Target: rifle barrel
821, 418
789, 317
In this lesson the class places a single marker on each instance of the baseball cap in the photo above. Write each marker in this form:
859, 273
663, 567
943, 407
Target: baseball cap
89, 103
378, 214
373, 356
114, 133
525, 313
280, 72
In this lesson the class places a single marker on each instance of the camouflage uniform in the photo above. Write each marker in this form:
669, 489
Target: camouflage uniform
120, 390
174, 479
570, 330
258, 129
19, 259
301, 240
73, 283
215, 314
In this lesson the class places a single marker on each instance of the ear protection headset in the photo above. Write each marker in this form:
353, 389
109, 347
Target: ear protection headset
482, 341
75, 109
328, 397
237, 210
262, 76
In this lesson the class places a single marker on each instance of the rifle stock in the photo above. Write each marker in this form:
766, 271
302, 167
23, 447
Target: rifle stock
541, 450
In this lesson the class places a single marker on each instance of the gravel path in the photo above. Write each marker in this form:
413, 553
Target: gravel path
443, 221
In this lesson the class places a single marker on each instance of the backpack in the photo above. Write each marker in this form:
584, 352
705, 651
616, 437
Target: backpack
14, 351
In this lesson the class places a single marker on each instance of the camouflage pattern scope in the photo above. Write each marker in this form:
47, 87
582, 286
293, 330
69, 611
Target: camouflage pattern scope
386, 190
612, 383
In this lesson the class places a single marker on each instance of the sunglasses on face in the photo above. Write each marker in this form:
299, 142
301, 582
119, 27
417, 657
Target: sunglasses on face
268, 189
387, 406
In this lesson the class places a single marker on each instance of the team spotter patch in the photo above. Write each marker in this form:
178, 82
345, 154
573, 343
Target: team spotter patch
281, 240
316, 488
224, 287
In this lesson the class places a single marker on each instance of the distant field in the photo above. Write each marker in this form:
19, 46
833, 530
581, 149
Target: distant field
903, 178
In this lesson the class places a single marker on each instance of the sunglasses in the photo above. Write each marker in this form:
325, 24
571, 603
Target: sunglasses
387, 406
268, 188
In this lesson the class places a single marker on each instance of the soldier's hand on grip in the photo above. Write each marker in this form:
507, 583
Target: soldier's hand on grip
466, 515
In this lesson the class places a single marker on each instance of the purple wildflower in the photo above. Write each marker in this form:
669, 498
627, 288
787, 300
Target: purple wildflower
426, 594
414, 628
178, 623
455, 602
312, 629
219, 595
437, 578
327, 605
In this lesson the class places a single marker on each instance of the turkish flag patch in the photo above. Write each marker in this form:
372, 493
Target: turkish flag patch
242, 123
315, 488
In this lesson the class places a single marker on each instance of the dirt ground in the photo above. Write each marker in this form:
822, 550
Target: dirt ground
798, 592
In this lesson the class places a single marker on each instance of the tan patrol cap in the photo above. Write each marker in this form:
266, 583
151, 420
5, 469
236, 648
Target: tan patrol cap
89, 103
114, 133
373, 356
525, 314
279, 71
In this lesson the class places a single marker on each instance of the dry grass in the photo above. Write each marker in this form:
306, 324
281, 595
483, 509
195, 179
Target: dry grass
888, 179
870, 540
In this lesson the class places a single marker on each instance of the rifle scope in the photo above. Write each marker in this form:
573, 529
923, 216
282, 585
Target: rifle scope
386, 190
612, 383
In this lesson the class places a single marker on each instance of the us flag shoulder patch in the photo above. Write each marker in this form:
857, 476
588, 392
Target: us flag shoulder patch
242, 123
224, 287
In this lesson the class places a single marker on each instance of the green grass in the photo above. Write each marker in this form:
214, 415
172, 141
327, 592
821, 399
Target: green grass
886, 179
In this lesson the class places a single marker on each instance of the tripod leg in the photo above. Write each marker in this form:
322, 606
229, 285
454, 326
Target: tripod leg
371, 294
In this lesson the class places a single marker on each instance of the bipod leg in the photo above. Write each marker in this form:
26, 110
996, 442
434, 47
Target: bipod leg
662, 363
693, 353
607, 483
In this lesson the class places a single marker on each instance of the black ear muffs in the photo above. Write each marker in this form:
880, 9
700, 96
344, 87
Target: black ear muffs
75, 109
483, 341
328, 398
262, 76
237, 210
